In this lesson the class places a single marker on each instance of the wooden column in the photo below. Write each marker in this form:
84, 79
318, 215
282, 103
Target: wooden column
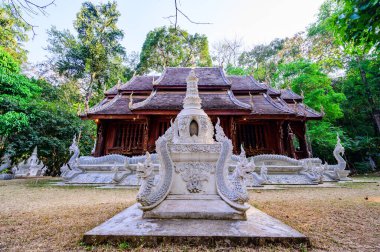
233, 133
290, 142
99, 149
307, 151
281, 137
146, 135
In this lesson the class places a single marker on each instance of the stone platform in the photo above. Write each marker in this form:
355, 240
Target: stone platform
129, 226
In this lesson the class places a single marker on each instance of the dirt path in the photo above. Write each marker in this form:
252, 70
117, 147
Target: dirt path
36, 216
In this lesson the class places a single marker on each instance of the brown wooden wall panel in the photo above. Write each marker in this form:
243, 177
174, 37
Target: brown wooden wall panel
259, 136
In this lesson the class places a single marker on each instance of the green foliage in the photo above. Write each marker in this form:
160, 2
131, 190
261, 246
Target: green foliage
170, 47
262, 60
308, 77
305, 76
12, 122
231, 70
335, 63
94, 58
358, 21
124, 246
13, 34
324, 46
322, 135
31, 114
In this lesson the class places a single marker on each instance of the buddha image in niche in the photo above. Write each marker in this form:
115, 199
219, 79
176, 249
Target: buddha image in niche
193, 128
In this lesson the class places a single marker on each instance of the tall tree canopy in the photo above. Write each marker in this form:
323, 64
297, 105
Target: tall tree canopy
94, 57
303, 76
13, 33
335, 63
358, 21
33, 113
262, 59
170, 47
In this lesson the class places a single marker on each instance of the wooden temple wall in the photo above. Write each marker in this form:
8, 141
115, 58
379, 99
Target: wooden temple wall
135, 137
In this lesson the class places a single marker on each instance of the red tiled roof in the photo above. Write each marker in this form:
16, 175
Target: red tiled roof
265, 105
245, 83
217, 91
289, 95
119, 105
143, 83
208, 76
304, 110
173, 101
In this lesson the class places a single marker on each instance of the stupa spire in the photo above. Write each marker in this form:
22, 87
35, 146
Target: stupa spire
192, 99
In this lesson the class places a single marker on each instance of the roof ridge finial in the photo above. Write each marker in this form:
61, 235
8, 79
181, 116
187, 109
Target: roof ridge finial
295, 106
251, 101
130, 104
192, 99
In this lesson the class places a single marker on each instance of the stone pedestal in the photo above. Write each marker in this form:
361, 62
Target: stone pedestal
130, 226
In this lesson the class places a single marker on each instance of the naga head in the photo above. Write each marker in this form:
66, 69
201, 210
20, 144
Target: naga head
338, 147
74, 146
243, 167
145, 169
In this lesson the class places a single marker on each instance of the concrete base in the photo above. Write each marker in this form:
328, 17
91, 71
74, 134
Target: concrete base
129, 226
213, 208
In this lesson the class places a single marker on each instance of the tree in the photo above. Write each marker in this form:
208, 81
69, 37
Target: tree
363, 101
13, 33
32, 113
358, 21
307, 77
170, 47
226, 52
94, 58
262, 60
358, 60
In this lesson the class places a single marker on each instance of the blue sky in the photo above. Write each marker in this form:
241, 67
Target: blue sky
255, 21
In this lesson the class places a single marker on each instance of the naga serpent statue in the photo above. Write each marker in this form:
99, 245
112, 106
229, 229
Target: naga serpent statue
337, 171
263, 177
338, 153
151, 195
235, 192
70, 169
145, 173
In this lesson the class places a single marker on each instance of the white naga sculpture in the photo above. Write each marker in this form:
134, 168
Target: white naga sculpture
279, 169
193, 172
32, 167
5, 163
109, 169
337, 172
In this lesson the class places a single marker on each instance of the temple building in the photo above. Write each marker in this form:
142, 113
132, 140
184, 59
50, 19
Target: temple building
260, 118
